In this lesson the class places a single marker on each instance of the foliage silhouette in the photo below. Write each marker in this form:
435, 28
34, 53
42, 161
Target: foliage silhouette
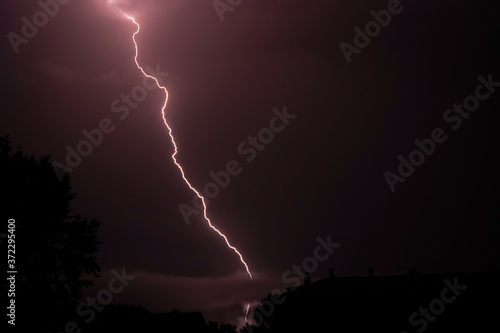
55, 250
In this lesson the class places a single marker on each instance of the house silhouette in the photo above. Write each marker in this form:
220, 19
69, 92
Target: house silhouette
406, 303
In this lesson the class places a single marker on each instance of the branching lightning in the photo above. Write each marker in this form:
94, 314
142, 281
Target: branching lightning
176, 150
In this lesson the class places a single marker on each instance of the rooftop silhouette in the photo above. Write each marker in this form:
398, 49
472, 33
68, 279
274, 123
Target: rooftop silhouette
405, 303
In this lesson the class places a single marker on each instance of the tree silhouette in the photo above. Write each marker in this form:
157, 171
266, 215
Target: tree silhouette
55, 250
214, 327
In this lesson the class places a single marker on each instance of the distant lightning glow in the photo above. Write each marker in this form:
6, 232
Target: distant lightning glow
175, 149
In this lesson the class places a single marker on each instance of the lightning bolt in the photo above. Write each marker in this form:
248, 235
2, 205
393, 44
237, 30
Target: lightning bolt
176, 149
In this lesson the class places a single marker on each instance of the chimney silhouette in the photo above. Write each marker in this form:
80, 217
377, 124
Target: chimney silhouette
370, 271
332, 273
307, 279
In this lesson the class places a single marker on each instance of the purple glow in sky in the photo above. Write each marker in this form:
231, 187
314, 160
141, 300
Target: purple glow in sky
323, 174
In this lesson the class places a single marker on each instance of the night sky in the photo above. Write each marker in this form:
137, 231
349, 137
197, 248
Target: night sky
323, 171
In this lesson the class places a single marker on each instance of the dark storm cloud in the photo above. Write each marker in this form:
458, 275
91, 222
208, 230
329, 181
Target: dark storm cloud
322, 175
